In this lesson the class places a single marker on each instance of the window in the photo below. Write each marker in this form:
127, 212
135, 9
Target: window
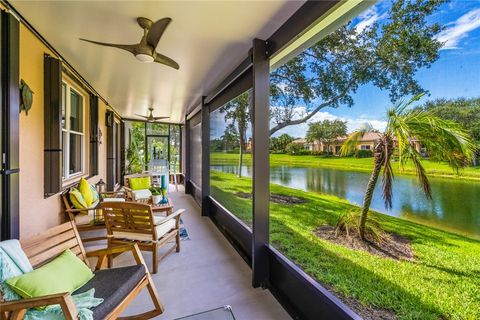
230, 157
392, 51
73, 132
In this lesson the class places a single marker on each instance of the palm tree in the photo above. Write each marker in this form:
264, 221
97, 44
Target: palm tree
445, 139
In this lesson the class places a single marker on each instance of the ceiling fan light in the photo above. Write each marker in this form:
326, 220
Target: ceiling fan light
145, 58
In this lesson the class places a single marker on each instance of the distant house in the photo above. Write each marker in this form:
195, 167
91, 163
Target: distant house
367, 142
306, 145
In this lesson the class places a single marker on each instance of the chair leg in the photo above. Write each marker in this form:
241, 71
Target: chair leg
178, 240
154, 295
155, 258
110, 257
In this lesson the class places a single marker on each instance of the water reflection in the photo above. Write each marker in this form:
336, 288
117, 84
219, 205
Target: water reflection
455, 205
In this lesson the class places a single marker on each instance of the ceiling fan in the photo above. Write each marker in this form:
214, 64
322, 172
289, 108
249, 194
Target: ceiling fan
144, 51
148, 118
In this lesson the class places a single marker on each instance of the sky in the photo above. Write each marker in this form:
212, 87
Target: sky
455, 74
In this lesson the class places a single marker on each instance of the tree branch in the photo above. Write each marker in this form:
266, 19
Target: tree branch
290, 122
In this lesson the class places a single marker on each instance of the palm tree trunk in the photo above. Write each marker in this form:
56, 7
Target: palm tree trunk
372, 182
240, 162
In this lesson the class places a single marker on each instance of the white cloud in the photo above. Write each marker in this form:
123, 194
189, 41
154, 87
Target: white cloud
353, 124
368, 18
459, 29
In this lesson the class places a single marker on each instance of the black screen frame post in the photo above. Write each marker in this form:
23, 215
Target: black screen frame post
205, 158
9, 125
261, 163
9, 119
186, 173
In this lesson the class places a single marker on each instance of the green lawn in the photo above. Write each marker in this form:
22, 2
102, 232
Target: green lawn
442, 283
351, 164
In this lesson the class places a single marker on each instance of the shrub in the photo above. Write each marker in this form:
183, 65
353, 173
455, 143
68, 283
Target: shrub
348, 224
304, 152
363, 154
294, 148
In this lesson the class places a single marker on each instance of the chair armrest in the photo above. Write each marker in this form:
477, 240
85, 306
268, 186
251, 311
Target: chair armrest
175, 215
79, 210
109, 194
19, 307
102, 254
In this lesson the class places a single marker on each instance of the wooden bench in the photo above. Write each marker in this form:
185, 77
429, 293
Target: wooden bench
44, 247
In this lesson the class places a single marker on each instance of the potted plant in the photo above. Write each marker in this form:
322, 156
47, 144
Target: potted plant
156, 195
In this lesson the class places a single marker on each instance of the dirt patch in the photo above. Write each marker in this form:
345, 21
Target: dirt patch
393, 245
276, 198
365, 312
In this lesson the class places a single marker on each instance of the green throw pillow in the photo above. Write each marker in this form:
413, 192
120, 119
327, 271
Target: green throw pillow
140, 183
77, 199
86, 191
66, 273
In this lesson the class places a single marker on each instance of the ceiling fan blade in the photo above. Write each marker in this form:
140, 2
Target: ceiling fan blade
146, 117
128, 47
159, 118
160, 58
156, 31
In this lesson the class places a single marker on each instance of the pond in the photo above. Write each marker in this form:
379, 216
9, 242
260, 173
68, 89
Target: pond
455, 205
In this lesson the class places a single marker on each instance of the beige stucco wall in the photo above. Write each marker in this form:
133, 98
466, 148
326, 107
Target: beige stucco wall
37, 213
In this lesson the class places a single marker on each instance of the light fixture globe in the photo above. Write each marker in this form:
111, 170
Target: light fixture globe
145, 58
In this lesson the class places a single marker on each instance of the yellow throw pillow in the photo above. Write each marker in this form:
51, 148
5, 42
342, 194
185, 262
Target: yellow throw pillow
86, 191
140, 183
77, 199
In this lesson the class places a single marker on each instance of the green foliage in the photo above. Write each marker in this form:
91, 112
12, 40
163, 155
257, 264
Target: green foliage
385, 54
279, 144
348, 224
156, 191
446, 139
136, 149
463, 111
441, 283
363, 153
295, 148
326, 131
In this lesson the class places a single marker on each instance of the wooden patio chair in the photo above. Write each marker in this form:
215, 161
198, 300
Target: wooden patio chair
118, 286
93, 220
129, 192
133, 222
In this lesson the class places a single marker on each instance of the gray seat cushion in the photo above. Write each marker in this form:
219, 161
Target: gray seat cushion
113, 285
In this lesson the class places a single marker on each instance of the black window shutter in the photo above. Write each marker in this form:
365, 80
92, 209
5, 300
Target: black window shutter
53, 126
111, 158
93, 135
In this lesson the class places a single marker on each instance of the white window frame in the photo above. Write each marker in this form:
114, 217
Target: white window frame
66, 175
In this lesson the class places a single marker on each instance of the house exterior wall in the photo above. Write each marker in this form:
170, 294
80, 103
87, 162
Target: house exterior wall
37, 213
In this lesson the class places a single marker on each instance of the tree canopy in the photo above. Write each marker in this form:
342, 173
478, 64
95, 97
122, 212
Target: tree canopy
386, 54
326, 131
280, 143
461, 110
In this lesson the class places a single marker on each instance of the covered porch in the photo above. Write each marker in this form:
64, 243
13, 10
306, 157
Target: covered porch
207, 274
82, 123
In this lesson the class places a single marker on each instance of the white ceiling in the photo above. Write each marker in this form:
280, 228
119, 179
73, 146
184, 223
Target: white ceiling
207, 38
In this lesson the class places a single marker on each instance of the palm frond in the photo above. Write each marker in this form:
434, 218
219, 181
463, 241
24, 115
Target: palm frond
350, 144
